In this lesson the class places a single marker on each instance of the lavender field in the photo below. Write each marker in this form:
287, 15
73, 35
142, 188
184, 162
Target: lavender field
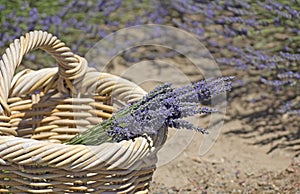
258, 150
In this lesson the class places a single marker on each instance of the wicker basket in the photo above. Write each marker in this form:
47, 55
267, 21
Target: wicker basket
40, 109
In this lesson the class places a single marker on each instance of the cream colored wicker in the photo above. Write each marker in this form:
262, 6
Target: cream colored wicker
40, 109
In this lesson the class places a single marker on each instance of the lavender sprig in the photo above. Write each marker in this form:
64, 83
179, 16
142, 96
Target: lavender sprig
165, 106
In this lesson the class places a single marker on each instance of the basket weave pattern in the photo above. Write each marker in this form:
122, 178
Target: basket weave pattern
41, 109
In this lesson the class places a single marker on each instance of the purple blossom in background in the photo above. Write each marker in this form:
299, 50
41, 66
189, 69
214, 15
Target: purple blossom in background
290, 56
165, 106
289, 74
34, 14
290, 108
2, 7
230, 20
56, 20
277, 83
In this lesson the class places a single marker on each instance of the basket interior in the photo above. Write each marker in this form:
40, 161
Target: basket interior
54, 115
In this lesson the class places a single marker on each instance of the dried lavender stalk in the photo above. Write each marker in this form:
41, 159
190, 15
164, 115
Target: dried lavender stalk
165, 106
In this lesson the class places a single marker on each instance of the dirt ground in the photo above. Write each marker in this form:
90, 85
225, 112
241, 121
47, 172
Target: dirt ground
232, 165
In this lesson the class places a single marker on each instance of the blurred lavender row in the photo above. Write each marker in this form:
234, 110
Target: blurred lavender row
244, 35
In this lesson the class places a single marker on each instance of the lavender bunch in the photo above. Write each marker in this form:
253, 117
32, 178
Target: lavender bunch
165, 106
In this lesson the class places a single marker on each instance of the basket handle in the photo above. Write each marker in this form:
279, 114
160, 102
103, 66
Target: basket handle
71, 66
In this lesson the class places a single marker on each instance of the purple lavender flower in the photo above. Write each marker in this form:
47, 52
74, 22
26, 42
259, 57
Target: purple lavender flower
165, 106
292, 108
290, 56
230, 20
289, 74
2, 7
278, 83
34, 14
